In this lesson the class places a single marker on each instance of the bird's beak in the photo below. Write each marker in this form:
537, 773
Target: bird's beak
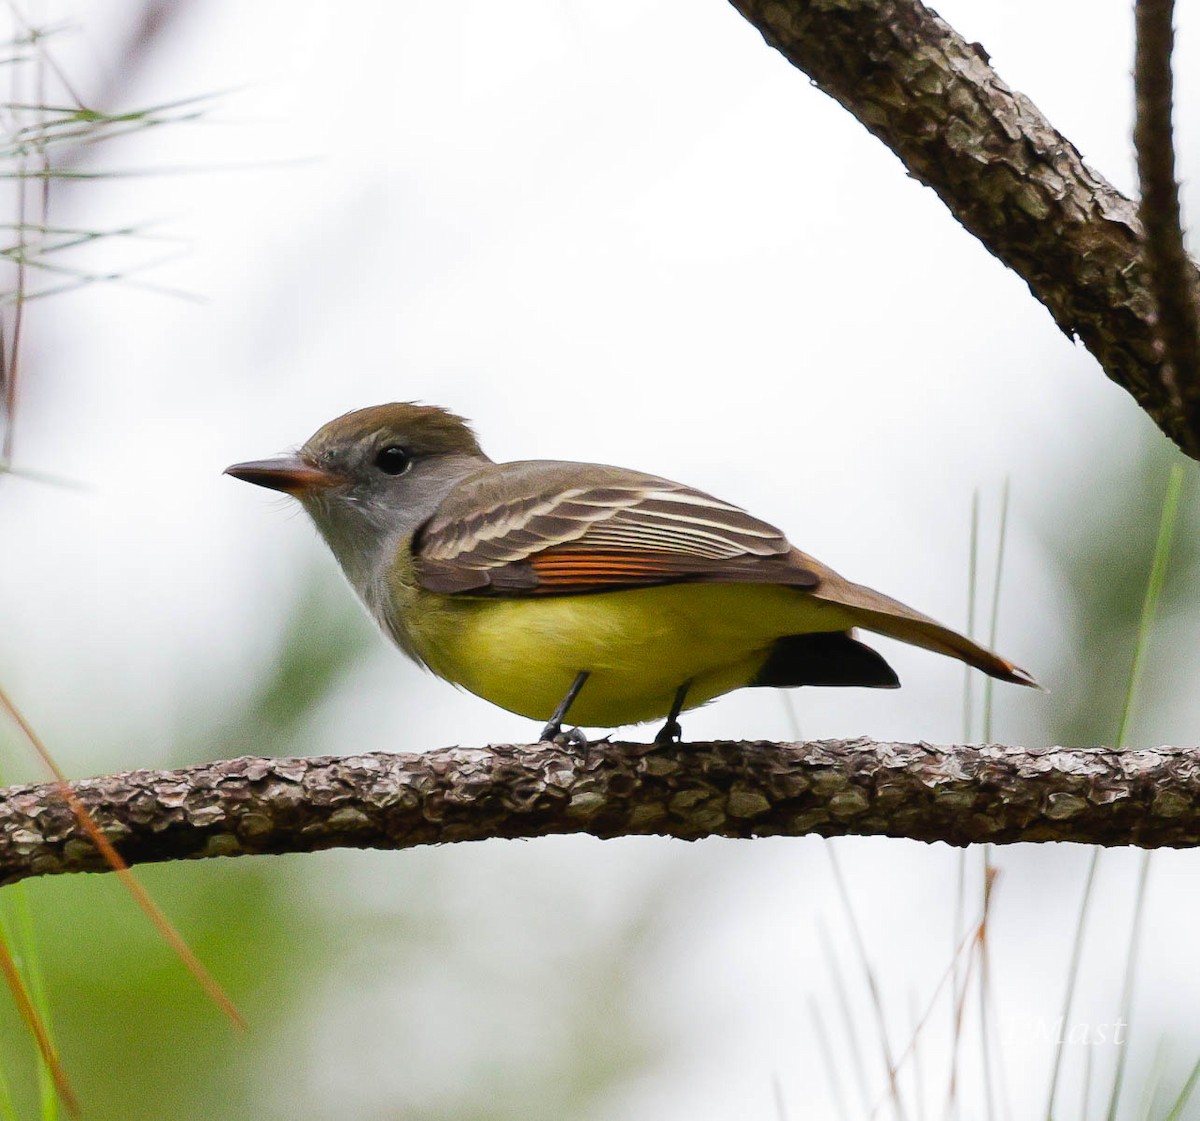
291, 474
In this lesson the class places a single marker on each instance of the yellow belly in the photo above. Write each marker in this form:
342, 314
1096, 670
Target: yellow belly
638, 646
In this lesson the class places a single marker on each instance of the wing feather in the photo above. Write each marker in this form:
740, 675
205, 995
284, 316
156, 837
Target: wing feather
549, 528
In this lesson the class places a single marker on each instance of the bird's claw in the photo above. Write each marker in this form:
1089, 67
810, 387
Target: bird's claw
572, 737
670, 733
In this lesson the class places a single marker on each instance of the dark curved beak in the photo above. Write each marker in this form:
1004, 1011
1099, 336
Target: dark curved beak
291, 474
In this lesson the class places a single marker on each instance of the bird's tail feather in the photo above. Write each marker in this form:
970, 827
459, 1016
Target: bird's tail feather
877, 612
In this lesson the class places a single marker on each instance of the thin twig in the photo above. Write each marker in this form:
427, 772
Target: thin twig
1130, 981
1171, 272
846, 1016
1072, 977
868, 970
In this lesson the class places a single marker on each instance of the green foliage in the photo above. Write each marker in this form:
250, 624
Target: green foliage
1102, 533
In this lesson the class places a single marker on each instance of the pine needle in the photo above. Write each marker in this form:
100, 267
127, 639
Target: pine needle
37, 1027
140, 896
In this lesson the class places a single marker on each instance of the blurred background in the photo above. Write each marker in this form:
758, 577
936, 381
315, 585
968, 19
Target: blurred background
602, 230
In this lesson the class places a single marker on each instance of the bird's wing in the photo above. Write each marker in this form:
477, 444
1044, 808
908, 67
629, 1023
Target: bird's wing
545, 528
548, 528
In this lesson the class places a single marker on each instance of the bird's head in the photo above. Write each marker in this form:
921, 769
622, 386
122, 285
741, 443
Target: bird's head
370, 478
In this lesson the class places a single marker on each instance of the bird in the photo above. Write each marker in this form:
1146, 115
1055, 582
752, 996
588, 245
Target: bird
561, 590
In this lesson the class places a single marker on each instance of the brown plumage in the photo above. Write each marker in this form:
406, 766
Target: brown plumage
543, 527
521, 580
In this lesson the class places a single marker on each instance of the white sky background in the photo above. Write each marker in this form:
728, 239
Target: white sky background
609, 231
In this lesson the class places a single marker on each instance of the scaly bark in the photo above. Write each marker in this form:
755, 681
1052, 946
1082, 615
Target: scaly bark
1178, 319
959, 795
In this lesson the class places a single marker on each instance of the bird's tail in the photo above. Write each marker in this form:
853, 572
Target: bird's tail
876, 612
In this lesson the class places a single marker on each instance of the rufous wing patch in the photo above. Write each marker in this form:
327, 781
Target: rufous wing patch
562, 571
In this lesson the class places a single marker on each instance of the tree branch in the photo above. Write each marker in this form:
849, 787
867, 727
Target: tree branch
1169, 265
1004, 172
959, 794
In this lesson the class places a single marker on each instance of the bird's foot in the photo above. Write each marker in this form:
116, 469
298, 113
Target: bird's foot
572, 737
669, 734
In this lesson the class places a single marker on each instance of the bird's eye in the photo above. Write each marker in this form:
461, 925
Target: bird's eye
393, 460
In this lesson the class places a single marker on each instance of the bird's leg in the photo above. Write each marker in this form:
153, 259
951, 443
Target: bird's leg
671, 732
552, 732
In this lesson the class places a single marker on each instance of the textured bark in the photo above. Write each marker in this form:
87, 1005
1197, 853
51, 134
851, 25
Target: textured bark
1002, 169
959, 795
1167, 259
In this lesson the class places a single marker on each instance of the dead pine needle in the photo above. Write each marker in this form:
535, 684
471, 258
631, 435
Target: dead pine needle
37, 1028
140, 896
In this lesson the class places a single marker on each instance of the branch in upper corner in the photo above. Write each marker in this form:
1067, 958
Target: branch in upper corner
959, 795
1002, 169
1169, 266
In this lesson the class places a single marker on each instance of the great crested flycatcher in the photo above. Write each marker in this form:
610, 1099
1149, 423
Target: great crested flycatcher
555, 589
